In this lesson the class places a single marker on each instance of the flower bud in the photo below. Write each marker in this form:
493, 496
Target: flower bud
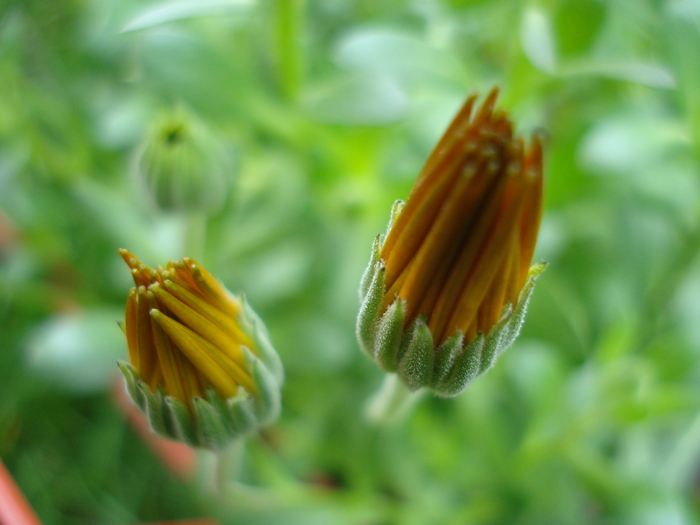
447, 288
182, 166
201, 366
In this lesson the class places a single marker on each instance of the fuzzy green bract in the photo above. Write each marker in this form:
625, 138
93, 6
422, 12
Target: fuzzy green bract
214, 422
410, 352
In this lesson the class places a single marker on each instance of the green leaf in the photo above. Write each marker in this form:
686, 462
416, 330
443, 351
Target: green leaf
537, 39
168, 12
358, 100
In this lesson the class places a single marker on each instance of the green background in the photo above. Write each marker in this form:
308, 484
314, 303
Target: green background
323, 113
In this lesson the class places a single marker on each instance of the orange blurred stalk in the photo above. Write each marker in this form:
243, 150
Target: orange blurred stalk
14, 508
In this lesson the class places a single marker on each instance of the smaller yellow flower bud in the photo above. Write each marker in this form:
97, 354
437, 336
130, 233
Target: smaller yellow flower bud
201, 365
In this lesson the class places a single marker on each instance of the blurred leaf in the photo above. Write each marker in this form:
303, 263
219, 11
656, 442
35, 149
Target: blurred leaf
537, 39
577, 23
397, 54
643, 73
278, 274
152, 238
683, 29
332, 109
78, 351
631, 141
168, 12
359, 100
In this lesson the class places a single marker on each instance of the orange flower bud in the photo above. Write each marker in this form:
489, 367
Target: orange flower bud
457, 255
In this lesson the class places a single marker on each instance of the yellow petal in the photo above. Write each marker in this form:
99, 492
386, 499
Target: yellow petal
220, 370
424, 190
196, 302
200, 325
487, 263
131, 328
147, 355
213, 290
171, 364
419, 212
470, 246
437, 254
532, 208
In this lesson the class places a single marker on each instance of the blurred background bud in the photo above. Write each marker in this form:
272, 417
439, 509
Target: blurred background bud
446, 292
201, 366
183, 166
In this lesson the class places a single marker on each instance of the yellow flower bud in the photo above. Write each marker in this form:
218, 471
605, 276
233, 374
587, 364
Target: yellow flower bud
196, 353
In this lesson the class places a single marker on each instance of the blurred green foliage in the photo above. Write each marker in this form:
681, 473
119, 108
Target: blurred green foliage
326, 111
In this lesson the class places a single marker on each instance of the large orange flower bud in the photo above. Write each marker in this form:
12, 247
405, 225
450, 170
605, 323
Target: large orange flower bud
446, 289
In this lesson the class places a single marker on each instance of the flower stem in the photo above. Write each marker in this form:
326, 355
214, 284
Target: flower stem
392, 402
194, 235
228, 465
290, 20
218, 470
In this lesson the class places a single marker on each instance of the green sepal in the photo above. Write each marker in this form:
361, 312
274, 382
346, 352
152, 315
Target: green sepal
370, 311
370, 270
389, 333
481, 354
183, 425
493, 344
253, 326
131, 378
236, 413
221, 421
406, 340
155, 409
465, 370
368, 274
416, 366
504, 333
213, 422
267, 403
243, 418
446, 370
395, 211
446, 356
211, 429
517, 318
222, 408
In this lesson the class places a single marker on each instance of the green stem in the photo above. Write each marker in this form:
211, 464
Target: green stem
228, 466
195, 234
289, 31
219, 470
392, 402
